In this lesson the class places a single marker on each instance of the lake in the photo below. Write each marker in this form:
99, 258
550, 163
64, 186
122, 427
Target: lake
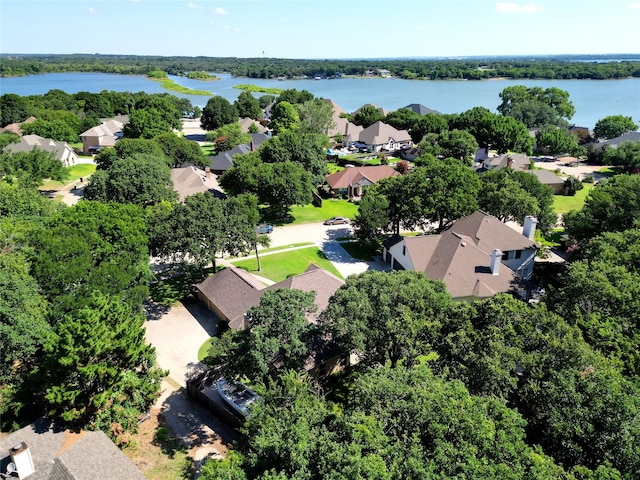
593, 99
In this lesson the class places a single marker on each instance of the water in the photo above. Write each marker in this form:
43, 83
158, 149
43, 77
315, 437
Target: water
593, 99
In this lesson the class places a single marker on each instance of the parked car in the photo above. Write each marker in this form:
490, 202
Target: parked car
336, 221
264, 228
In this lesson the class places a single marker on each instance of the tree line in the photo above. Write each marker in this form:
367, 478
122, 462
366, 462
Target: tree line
470, 69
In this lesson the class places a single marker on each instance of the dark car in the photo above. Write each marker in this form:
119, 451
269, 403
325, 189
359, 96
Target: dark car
264, 228
336, 221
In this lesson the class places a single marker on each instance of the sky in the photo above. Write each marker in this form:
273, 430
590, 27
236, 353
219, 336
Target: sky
320, 29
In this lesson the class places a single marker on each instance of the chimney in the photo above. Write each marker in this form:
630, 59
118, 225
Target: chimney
496, 256
21, 458
207, 172
509, 162
251, 146
529, 229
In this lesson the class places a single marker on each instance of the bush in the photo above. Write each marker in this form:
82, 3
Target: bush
588, 179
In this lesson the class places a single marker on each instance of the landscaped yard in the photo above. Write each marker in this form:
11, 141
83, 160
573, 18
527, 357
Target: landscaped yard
278, 266
566, 203
330, 208
73, 174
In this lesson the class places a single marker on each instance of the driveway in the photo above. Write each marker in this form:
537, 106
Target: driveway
576, 169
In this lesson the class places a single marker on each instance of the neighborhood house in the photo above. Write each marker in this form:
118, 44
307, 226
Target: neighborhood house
353, 181
61, 150
477, 257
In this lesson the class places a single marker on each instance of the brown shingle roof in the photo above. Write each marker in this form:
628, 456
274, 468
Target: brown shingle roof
191, 180
233, 291
380, 133
351, 175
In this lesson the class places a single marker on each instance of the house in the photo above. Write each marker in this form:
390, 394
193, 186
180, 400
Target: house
245, 124
47, 451
547, 177
380, 136
341, 125
15, 127
224, 160
353, 181
516, 161
231, 292
420, 109
614, 142
380, 109
350, 132
61, 150
191, 180
103, 135
477, 257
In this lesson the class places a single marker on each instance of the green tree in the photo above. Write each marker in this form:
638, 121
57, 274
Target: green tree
316, 116
275, 337
368, 115
103, 248
284, 117
626, 155
386, 317
22, 202
572, 185
426, 124
13, 109
449, 190
372, 219
145, 124
218, 112
552, 139
458, 144
31, 167
611, 206
613, 126
56, 130
228, 136
533, 103
294, 96
308, 150
248, 106
402, 119
168, 106
140, 179
99, 370
181, 151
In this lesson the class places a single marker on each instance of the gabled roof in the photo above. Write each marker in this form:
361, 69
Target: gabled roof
224, 160
547, 177
421, 109
246, 122
15, 127
61, 150
518, 162
487, 233
107, 128
59, 454
353, 175
380, 109
625, 137
380, 133
233, 291
313, 279
335, 107
191, 180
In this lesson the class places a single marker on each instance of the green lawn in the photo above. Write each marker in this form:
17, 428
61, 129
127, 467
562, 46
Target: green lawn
566, 203
330, 208
73, 174
359, 251
278, 266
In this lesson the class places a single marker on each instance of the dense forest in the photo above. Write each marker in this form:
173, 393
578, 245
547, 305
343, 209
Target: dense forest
434, 69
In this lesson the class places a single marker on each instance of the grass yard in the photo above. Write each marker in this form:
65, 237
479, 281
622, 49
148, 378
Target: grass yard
73, 174
176, 288
330, 208
359, 251
278, 266
566, 203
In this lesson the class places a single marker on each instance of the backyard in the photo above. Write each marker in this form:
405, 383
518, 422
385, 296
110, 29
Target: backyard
566, 203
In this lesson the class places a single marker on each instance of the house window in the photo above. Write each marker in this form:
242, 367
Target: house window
404, 250
518, 254
505, 256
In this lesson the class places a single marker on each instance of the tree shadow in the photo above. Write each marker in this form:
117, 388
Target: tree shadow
154, 311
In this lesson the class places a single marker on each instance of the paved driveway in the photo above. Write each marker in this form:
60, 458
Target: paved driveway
177, 334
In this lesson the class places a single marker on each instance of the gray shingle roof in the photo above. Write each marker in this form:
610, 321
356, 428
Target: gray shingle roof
60, 454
